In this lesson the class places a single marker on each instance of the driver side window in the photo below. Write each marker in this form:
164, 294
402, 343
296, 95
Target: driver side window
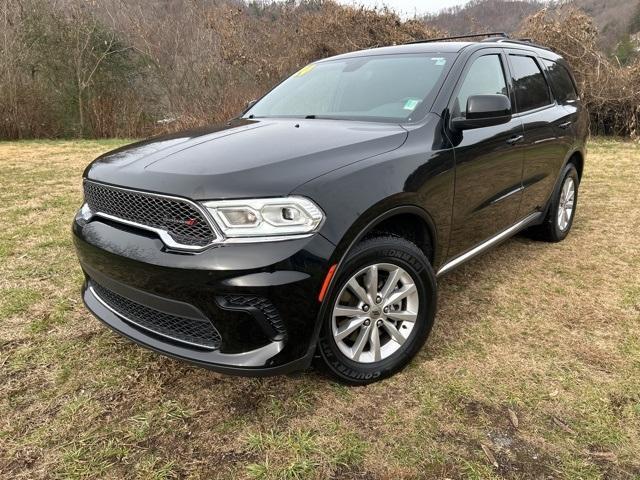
485, 77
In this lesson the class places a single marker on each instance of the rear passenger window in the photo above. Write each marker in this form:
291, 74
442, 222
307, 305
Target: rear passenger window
561, 83
485, 77
530, 86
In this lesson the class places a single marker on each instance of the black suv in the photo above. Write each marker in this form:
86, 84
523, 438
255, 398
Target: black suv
316, 223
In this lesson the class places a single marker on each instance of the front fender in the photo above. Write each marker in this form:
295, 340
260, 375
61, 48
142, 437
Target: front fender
414, 176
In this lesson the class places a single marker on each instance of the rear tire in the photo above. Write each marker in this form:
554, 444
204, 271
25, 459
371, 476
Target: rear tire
559, 219
380, 311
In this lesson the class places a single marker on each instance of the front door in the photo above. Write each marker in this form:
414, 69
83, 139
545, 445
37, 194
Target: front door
489, 160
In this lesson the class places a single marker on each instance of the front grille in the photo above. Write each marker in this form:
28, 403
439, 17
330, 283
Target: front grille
180, 219
200, 333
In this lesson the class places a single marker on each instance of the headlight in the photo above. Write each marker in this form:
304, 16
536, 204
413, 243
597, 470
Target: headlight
266, 217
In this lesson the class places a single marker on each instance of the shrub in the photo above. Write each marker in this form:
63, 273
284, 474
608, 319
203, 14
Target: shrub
115, 68
610, 91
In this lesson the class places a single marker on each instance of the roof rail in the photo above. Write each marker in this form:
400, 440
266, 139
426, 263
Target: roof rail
457, 37
501, 37
523, 41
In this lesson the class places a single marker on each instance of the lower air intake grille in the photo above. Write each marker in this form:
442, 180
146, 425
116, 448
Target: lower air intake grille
261, 304
179, 218
200, 333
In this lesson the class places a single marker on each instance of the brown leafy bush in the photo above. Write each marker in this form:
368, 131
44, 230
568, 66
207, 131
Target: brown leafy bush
136, 67
260, 45
131, 68
610, 91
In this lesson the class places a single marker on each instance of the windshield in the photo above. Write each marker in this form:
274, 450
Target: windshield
376, 88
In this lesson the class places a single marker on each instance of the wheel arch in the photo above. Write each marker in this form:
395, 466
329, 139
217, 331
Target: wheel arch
577, 158
408, 221
365, 225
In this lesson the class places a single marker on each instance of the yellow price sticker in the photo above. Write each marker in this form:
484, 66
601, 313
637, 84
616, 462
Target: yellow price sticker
303, 71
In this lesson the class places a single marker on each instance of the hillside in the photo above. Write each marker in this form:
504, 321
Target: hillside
613, 17
483, 16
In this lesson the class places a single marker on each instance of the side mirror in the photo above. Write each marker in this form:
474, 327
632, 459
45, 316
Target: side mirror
484, 111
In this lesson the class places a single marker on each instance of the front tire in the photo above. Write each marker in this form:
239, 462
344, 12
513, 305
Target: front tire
380, 311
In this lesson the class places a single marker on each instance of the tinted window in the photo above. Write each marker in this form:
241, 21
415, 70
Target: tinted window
485, 77
561, 82
385, 87
531, 88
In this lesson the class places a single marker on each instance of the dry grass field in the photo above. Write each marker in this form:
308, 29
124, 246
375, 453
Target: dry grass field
532, 370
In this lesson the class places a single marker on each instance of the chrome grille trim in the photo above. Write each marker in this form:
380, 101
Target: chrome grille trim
166, 234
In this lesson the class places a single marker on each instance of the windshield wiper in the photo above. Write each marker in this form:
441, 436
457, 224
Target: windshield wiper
310, 117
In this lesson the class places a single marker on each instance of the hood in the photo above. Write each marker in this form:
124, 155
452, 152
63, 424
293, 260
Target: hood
245, 158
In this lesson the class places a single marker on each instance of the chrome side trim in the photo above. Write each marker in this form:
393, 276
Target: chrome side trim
508, 194
482, 247
133, 322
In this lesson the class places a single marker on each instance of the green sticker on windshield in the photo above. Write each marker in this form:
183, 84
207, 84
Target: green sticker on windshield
411, 104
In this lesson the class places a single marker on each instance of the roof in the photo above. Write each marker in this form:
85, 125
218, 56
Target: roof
447, 47
430, 47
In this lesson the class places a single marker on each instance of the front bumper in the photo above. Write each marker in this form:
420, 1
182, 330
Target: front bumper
259, 300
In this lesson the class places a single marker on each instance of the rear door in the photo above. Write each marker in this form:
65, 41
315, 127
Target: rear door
545, 124
566, 95
488, 159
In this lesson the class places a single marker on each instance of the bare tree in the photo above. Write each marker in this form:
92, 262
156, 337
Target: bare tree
88, 55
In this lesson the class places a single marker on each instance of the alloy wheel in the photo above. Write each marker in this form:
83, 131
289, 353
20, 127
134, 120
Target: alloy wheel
375, 313
565, 207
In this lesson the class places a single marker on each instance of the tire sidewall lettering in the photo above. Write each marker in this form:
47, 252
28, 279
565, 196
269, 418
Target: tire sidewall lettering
405, 255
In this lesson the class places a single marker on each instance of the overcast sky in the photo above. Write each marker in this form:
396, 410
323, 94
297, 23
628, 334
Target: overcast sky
407, 8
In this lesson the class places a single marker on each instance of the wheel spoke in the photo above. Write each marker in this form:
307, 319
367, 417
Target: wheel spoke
402, 316
390, 284
358, 290
349, 327
374, 343
361, 341
393, 331
396, 296
371, 282
365, 331
341, 311
567, 202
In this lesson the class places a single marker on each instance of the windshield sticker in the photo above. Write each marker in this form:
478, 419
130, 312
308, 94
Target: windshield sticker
411, 104
303, 71
440, 61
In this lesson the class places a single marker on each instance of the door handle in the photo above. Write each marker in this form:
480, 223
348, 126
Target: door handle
565, 124
515, 139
